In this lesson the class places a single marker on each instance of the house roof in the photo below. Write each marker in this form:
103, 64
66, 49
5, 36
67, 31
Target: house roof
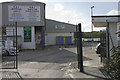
60, 22
107, 16
100, 21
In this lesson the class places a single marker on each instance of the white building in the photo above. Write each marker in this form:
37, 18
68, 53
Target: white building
32, 28
56, 29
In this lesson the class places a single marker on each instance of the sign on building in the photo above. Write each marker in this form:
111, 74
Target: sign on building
23, 13
27, 34
59, 27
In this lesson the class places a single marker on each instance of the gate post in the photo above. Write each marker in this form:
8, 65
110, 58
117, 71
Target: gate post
80, 54
108, 46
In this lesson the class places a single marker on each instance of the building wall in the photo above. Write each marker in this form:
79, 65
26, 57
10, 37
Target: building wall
20, 31
113, 30
50, 38
24, 23
118, 30
0, 42
0, 14
65, 29
0, 20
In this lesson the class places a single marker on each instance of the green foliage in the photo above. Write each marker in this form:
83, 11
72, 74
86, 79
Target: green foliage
113, 64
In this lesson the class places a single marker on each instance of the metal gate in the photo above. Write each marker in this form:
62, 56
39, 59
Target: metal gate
103, 47
9, 46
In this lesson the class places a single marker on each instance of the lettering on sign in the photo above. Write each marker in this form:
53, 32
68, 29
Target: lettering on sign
59, 27
27, 34
23, 13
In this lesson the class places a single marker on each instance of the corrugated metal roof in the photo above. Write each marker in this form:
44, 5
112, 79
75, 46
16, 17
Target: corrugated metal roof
60, 22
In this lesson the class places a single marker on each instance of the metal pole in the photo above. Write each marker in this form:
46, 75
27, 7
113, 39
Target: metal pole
76, 38
92, 25
80, 54
77, 44
13, 46
13, 38
16, 46
108, 46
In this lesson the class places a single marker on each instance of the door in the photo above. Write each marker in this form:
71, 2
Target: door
68, 40
60, 40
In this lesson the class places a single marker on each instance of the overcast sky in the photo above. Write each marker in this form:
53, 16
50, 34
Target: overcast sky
77, 11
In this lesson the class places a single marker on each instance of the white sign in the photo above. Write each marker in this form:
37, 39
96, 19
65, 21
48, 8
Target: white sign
23, 13
59, 26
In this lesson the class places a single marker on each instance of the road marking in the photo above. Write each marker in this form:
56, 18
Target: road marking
71, 76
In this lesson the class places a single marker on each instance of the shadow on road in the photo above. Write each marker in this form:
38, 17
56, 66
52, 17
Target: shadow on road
49, 55
96, 76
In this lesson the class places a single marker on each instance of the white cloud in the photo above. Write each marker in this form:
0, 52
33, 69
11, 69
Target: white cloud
59, 13
44, 1
113, 12
58, 7
80, 0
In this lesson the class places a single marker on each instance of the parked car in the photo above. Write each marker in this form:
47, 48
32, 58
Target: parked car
99, 48
2, 48
11, 51
7, 50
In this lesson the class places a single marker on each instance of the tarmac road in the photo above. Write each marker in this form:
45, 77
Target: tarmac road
48, 63
54, 63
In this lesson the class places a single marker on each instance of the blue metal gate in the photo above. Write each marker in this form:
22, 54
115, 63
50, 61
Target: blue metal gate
60, 40
68, 40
